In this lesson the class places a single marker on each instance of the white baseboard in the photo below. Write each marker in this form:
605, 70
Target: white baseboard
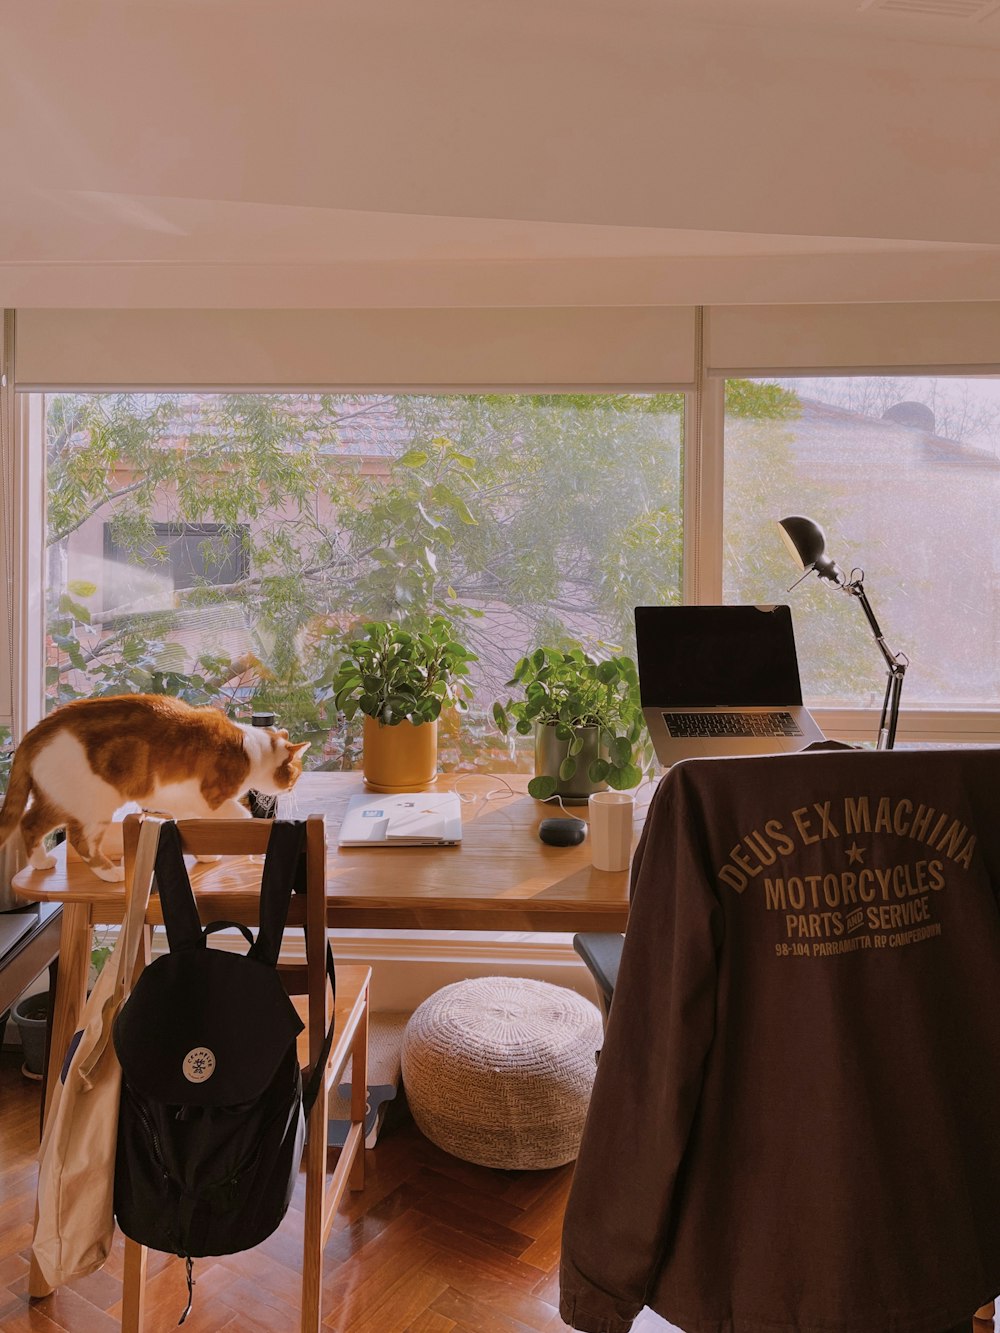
406, 969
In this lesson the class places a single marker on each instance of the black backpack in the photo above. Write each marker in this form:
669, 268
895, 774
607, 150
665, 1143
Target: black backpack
212, 1115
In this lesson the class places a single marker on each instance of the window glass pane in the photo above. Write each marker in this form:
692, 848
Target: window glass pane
903, 473
222, 546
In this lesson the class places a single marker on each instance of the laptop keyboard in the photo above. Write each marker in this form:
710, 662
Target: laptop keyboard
695, 726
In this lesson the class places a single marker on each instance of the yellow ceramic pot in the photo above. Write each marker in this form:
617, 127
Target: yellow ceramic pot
399, 758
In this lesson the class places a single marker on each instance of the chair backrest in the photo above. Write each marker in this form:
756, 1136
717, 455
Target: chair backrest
236, 897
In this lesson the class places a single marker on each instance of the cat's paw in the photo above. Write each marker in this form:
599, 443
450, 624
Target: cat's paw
40, 859
208, 860
112, 873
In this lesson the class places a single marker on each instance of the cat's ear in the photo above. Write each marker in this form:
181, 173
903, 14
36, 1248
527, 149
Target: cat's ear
302, 746
283, 733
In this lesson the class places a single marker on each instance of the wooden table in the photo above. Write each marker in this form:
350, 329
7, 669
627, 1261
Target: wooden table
501, 877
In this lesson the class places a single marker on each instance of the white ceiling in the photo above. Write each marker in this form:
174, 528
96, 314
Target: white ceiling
463, 152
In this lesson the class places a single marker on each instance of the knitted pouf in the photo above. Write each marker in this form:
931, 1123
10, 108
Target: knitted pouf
498, 1071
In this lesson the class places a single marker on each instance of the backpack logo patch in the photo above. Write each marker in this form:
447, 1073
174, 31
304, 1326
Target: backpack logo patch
198, 1065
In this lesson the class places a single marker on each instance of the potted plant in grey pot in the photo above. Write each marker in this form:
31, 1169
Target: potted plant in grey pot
587, 720
31, 1014
401, 679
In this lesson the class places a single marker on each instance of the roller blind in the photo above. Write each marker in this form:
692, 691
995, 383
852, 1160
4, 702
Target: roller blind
274, 349
860, 338
6, 523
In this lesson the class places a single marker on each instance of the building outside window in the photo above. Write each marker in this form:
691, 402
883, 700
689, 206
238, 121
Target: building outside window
903, 473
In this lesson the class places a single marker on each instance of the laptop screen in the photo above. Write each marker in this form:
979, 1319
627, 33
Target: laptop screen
706, 656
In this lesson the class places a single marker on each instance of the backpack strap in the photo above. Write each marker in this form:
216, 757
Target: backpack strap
284, 850
180, 911
281, 871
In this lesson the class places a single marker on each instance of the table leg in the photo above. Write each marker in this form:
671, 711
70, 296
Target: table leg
53, 992
71, 993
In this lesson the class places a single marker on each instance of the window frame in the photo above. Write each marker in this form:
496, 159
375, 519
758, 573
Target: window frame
179, 531
703, 480
703, 475
856, 726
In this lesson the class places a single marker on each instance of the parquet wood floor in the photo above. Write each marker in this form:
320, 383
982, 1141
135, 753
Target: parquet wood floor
432, 1245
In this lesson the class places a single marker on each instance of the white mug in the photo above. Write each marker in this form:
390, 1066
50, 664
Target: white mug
611, 815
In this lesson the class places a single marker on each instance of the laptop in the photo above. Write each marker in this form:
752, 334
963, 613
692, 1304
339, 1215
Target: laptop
720, 680
404, 819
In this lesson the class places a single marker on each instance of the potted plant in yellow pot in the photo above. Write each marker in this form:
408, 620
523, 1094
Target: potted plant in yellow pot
401, 679
587, 720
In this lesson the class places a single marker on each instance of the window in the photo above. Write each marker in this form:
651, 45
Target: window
177, 557
903, 473
221, 546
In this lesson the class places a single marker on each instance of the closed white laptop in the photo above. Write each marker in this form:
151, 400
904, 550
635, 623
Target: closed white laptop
405, 819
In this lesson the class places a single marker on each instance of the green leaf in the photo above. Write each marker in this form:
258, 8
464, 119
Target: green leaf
621, 751
623, 778
564, 732
68, 607
599, 770
576, 744
413, 458
541, 788
429, 519
567, 768
501, 719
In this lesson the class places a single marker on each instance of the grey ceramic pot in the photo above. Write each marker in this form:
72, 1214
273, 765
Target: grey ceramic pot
32, 1018
550, 752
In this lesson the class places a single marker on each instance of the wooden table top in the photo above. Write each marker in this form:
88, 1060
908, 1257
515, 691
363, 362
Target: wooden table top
501, 877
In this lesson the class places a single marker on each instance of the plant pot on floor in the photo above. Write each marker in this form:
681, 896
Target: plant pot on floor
401, 757
31, 1014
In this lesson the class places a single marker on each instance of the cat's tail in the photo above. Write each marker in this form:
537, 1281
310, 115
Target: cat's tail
18, 791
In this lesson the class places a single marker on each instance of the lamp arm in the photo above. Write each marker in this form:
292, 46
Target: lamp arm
896, 664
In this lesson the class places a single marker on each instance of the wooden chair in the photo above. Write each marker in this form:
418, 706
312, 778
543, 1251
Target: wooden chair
310, 993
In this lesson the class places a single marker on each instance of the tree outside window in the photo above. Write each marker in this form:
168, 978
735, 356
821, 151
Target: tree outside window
524, 519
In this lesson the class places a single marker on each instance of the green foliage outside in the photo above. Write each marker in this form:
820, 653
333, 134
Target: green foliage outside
514, 518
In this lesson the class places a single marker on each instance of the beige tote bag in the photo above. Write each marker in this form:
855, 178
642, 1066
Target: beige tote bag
76, 1174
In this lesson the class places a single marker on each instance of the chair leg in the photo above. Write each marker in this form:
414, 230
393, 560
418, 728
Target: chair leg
315, 1211
134, 1287
986, 1312
359, 1096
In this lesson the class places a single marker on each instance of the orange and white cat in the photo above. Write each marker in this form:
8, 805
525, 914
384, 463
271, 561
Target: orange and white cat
85, 760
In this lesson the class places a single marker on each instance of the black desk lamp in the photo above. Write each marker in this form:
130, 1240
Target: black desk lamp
806, 541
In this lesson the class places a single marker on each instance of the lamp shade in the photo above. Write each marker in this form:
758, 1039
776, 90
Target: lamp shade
806, 541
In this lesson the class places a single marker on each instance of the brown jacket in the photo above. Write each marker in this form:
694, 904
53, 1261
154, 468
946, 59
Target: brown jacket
796, 1119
